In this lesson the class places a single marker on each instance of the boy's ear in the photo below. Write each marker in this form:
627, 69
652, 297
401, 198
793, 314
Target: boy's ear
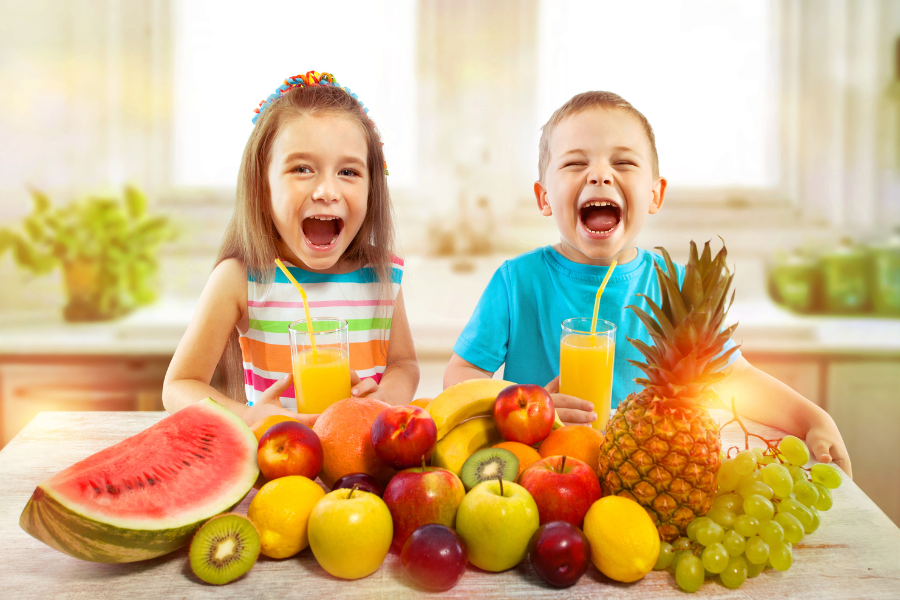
659, 195
541, 195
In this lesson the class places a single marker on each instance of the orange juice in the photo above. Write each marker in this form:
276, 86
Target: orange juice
586, 371
321, 381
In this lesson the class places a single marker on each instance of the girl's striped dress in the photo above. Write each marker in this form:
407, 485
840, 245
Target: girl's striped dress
354, 297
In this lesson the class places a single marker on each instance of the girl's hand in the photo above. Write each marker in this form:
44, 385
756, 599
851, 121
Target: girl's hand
571, 410
826, 445
269, 404
362, 388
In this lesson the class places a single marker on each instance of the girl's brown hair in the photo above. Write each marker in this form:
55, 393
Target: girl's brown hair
251, 236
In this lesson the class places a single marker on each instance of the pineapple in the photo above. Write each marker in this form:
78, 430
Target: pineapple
661, 447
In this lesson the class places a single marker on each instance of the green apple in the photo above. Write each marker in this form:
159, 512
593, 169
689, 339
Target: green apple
350, 532
497, 525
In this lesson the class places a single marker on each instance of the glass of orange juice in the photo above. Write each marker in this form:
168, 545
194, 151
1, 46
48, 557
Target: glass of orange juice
321, 378
586, 364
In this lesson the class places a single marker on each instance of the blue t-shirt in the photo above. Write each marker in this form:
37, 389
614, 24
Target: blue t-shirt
519, 316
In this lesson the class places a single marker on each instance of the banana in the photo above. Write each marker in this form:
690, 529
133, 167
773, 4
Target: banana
464, 440
467, 399
462, 401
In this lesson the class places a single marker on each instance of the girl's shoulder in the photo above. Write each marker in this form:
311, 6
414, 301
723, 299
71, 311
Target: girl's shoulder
229, 280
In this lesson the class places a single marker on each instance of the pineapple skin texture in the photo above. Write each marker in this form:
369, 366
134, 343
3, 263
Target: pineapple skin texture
665, 459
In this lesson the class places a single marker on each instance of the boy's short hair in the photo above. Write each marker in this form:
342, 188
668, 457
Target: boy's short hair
582, 102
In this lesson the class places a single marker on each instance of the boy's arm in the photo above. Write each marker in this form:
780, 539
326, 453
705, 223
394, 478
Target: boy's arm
763, 398
459, 369
401, 375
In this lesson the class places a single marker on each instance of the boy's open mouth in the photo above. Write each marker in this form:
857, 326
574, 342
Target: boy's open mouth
322, 231
600, 216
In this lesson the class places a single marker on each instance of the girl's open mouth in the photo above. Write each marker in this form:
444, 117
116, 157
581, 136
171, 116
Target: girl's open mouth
322, 232
599, 218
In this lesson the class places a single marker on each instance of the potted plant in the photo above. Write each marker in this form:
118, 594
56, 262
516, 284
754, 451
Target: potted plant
106, 247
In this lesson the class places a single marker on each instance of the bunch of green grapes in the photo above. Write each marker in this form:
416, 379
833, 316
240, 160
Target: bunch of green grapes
765, 504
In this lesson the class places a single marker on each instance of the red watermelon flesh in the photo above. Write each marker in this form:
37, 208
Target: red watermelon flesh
148, 494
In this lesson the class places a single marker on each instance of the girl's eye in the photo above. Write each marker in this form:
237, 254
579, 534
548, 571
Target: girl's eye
573, 164
348, 173
626, 162
302, 169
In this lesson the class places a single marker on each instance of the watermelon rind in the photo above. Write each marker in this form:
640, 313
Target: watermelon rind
74, 526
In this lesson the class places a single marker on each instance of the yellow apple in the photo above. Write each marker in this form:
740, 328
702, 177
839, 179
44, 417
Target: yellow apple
497, 526
350, 533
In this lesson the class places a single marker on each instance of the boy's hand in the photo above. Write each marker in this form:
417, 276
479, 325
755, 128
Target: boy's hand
270, 404
826, 445
571, 410
363, 388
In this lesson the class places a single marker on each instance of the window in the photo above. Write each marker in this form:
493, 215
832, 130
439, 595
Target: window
230, 55
706, 75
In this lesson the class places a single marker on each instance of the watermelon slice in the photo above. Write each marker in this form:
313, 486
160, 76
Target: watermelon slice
147, 495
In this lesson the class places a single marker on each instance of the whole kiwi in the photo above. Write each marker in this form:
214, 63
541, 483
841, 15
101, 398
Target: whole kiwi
486, 464
225, 548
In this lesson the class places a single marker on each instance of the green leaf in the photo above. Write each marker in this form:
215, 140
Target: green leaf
135, 202
41, 201
6, 240
34, 229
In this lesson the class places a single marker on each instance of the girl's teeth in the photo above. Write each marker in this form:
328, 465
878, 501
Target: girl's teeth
333, 240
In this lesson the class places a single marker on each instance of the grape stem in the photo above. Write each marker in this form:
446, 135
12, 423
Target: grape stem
771, 445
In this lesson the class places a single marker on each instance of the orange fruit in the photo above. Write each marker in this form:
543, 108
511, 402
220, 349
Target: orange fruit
526, 454
345, 430
576, 441
422, 402
260, 427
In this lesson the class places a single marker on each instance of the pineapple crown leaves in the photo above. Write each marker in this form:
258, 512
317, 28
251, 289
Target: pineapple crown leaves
687, 327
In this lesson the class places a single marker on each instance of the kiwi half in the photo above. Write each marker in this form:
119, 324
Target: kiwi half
225, 548
486, 464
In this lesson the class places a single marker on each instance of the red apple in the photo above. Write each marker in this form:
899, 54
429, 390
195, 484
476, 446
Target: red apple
560, 553
435, 557
404, 436
362, 481
562, 487
420, 496
524, 413
289, 448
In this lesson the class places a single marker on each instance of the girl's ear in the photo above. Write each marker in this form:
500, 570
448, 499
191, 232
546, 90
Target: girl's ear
541, 195
659, 195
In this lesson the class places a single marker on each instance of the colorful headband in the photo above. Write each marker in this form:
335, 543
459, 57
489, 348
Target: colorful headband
311, 79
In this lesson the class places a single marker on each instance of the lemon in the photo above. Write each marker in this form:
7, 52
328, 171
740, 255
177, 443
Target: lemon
624, 540
280, 511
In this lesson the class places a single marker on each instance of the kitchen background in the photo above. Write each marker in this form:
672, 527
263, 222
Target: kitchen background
778, 128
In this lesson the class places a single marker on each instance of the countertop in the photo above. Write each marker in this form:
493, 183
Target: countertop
855, 553
440, 295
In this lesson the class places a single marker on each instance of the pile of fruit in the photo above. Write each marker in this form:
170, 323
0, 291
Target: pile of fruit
483, 474
515, 482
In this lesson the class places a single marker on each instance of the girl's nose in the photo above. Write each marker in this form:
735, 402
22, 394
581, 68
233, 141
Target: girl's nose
326, 190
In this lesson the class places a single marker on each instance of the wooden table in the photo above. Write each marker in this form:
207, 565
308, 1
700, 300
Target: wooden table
854, 554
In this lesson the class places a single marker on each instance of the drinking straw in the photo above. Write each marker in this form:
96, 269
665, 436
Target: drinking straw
597, 298
309, 325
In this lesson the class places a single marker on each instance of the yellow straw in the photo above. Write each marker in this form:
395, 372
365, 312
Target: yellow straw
600, 293
309, 325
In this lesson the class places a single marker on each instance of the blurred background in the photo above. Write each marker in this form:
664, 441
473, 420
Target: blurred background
122, 124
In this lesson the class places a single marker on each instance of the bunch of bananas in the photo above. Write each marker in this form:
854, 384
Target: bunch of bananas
463, 414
